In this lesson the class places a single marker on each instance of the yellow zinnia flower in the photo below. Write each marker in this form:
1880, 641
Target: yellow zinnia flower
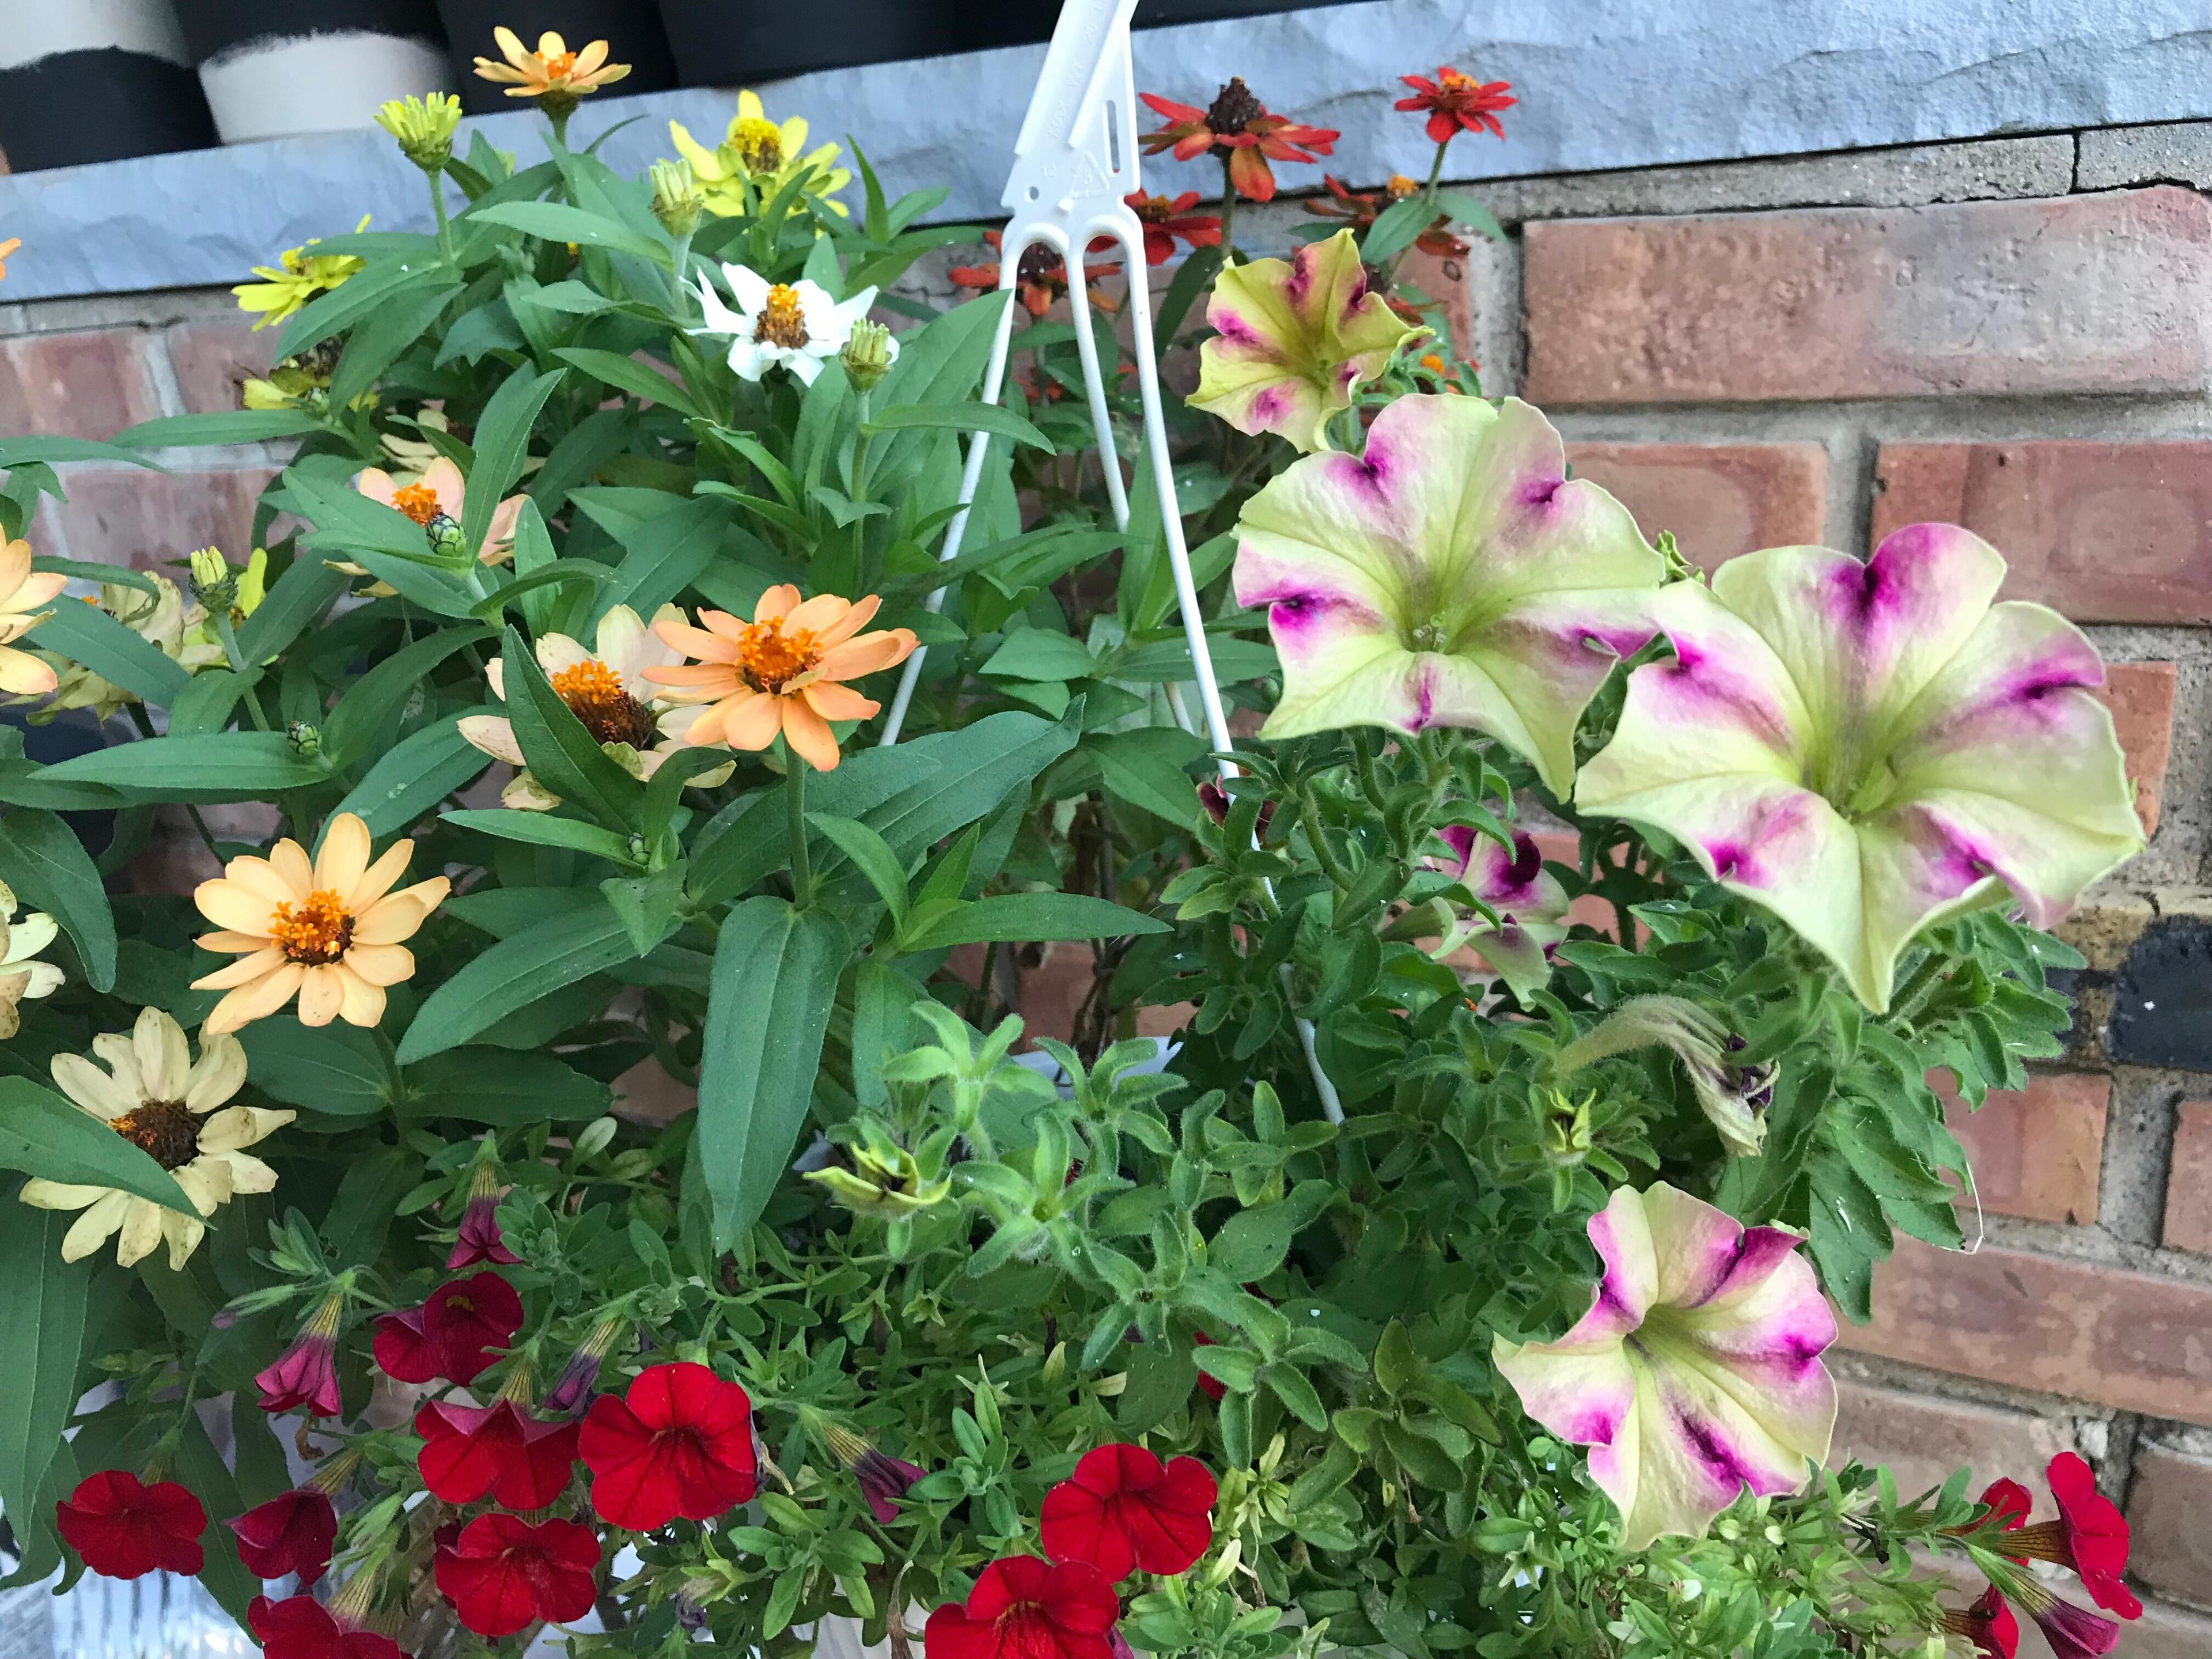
765, 153
23, 592
6, 248
156, 1098
330, 930
297, 277
552, 72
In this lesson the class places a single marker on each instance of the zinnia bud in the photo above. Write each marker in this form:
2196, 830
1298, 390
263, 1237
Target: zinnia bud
306, 738
424, 128
869, 351
212, 584
443, 532
306, 1373
678, 201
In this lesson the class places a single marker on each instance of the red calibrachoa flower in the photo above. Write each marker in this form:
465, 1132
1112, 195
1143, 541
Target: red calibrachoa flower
1040, 279
125, 1528
678, 1441
2090, 1536
502, 1572
1025, 1608
1988, 1624
1123, 1509
1240, 127
292, 1533
1458, 103
306, 1373
301, 1627
1358, 211
452, 1334
522, 1460
1166, 219
479, 1239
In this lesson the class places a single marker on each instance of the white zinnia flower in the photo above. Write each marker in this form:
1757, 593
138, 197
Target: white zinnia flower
795, 324
21, 939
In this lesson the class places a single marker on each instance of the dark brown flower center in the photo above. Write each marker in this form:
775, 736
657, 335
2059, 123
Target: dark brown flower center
782, 320
1233, 108
595, 696
164, 1130
318, 932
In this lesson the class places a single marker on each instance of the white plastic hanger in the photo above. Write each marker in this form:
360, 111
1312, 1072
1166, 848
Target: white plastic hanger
1074, 162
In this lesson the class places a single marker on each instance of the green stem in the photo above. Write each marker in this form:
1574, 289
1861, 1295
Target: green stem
437, 181
678, 292
1310, 821
1370, 781
794, 795
230, 638
1228, 215
1919, 986
1435, 171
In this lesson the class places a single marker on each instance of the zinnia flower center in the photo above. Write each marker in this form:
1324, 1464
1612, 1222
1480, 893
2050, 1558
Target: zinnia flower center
317, 933
1233, 109
1399, 187
558, 67
760, 145
164, 1130
418, 502
1154, 209
594, 695
782, 322
771, 658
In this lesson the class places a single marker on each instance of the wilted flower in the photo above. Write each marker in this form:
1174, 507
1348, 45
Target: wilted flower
797, 324
1360, 210
1240, 126
297, 277
766, 155
1040, 276
1167, 219
1869, 749
23, 977
1530, 905
423, 127
1451, 575
479, 1239
676, 199
884, 1479
553, 74
1457, 103
1734, 1097
162, 619
883, 1179
573, 1387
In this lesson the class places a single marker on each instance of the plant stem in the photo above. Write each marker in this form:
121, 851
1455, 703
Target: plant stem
437, 181
1919, 986
1310, 821
1228, 215
794, 795
1435, 171
1370, 782
679, 291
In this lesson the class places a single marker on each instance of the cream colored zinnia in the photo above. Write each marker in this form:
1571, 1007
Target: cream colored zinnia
25, 595
158, 1098
330, 930
23, 978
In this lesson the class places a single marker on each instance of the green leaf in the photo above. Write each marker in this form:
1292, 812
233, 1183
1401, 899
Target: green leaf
43, 1134
775, 977
664, 554
222, 426
502, 446
556, 222
357, 297
502, 1087
349, 521
960, 417
1038, 653
43, 1311
302, 593
378, 341
1251, 1244
1191, 278
340, 1070
872, 856
414, 775
515, 972
86, 634
628, 374
214, 766
561, 573
367, 1197
376, 695
563, 755
93, 571
41, 858
1145, 769
1395, 229
1008, 917
37, 452
544, 829
1466, 210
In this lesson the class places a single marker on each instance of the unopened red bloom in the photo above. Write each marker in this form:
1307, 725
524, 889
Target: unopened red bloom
1359, 210
1239, 124
502, 1572
678, 1441
884, 1479
1025, 1608
306, 1373
1458, 103
452, 1333
1166, 219
479, 1239
1123, 1509
2073, 1633
299, 1627
292, 1533
1040, 278
125, 1529
1988, 1624
523, 1461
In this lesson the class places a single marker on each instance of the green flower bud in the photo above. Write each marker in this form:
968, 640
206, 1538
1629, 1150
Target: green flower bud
307, 740
444, 535
678, 201
214, 585
424, 128
868, 355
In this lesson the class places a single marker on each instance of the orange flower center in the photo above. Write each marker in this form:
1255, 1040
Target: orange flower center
1452, 80
317, 933
1154, 209
164, 1130
418, 502
771, 658
559, 66
1399, 187
782, 322
594, 695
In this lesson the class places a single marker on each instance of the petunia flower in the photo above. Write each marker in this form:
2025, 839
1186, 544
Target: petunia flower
2089, 1537
1988, 1624
23, 977
1457, 103
329, 930
1358, 211
157, 1097
297, 277
292, 1532
125, 1528
1040, 276
1451, 575
1123, 1510
301, 1627
766, 155
306, 1373
607, 690
1530, 904
1869, 749
796, 325
1168, 220
1240, 126
884, 1479
785, 671
678, 1441
502, 1573
439, 492
552, 73
1697, 1371
572, 1390
453, 1334
479, 1238
1292, 339
26, 600
523, 1461
1025, 1608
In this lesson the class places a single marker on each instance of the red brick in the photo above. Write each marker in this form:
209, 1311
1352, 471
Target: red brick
151, 520
2169, 1506
213, 354
2102, 532
2092, 293
2125, 1339
2140, 696
1921, 1438
1720, 500
1444, 280
2188, 1180
2036, 1152
89, 385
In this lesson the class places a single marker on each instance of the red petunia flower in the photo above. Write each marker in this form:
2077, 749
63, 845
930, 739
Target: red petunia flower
1123, 1509
480, 1239
1164, 220
1988, 1624
1025, 1608
1358, 211
2090, 1536
2073, 1633
125, 1529
1458, 103
452, 1333
301, 1627
678, 1441
292, 1533
502, 1572
1241, 127
1040, 279
523, 1461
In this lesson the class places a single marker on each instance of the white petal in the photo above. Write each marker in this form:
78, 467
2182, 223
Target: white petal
241, 1126
748, 359
92, 1089
92, 1228
218, 1073
748, 288
165, 1060
29, 935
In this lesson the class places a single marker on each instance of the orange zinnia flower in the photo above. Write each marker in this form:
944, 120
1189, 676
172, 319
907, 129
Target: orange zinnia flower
6, 248
552, 68
330, 930
783, 670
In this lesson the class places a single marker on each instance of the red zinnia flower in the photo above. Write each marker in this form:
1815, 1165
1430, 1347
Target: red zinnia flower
1988, 1624
1458, 103
523, 1461
125, 1529
1241, 126
1123, 1509
1040, 278
479, 1239
299, 1627
1025, 1608
1164, 220
292, 1533
503, 1572
679, 1441
452, 1333
1358, 211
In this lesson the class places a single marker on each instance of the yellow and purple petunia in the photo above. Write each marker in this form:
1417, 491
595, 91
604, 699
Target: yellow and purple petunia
1451, 575
1530, 905
1697, 1371
1869, 749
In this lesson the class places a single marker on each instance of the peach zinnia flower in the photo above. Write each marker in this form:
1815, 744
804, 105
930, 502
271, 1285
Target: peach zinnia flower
783, 670
551, 68
23, 591
330, 930
441, 491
